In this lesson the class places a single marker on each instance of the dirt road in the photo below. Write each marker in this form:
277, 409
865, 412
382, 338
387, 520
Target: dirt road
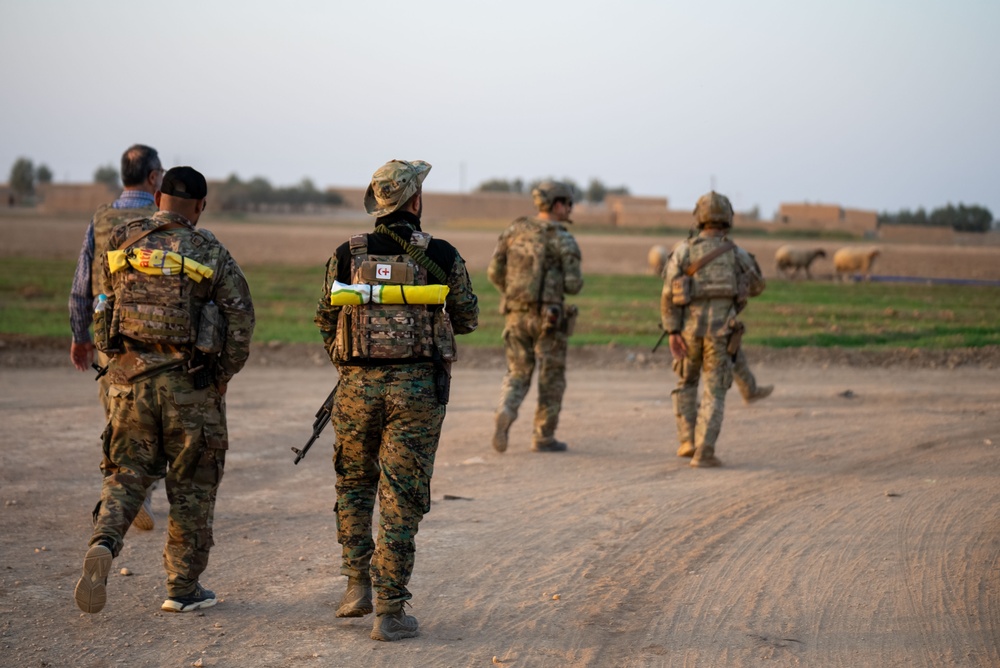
859, 530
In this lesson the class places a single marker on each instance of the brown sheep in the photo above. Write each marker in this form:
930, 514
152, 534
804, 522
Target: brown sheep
790, 260
851, 261
657, 259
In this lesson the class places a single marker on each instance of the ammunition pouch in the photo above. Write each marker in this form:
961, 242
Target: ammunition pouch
444, 336
211, 330
569, 321
735, 339
680, 290
105, 333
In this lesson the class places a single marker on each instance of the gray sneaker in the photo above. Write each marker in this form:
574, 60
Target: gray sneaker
196, 600
394, 626
91, 591
552, 446
144, 520
357, 600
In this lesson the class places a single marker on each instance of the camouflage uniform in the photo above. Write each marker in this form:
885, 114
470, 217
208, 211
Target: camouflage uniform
107, 219
535, 264
746, 382
390, 402
718, 290
161, 423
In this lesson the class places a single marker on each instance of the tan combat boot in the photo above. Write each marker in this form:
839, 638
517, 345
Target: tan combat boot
503, 421
704, 457
686, 449
357, 599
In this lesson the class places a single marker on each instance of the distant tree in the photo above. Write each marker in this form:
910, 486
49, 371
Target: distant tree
108, 175
43, 174
258, 194
960, 218
963, 218
596, 192
500, 186
22, 178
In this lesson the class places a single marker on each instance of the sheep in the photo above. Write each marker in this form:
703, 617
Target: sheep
790, 260
850, 261
657, 259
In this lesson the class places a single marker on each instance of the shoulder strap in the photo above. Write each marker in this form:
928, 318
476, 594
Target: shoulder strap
705, 259
135, 238
418, 255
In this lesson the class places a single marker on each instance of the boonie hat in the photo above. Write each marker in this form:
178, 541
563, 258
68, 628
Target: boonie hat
184, 182
393, 184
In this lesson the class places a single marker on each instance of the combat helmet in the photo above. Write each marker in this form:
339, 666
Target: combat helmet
713, 208
547, 192
393, 184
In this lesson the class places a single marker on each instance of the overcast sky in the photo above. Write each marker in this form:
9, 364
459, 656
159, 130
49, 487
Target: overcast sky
876, 104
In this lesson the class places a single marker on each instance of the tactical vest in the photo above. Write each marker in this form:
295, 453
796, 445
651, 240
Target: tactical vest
392, 331
164, 309
718, 278
107, 219
533, 266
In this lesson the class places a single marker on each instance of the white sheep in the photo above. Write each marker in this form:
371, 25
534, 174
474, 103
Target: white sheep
657, 259
850, 261
790, 260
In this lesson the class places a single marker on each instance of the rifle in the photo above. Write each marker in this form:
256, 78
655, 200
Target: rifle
319, 424
101, 370
660, 340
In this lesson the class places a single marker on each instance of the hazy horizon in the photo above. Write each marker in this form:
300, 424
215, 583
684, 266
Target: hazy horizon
872, 105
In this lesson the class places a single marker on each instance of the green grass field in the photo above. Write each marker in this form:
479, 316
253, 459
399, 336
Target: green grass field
619, 309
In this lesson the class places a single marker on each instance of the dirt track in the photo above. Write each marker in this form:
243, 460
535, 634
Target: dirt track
860, 531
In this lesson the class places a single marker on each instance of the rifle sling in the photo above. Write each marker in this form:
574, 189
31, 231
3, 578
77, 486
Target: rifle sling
417, 254
705, 259
135, 238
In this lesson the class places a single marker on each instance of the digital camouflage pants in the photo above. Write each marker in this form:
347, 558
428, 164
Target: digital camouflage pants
388, 423
526, 346
708, 361
161, 426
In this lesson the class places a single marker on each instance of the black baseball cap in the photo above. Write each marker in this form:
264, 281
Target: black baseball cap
184, 182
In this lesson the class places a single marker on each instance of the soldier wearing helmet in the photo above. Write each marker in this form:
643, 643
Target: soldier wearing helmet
535, 264
394, 363
706, 284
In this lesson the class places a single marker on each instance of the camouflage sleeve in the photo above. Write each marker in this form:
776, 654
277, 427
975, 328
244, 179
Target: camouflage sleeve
326, 314
232, 296
671, 315
497, 271
461, 303
569, 253
752, 274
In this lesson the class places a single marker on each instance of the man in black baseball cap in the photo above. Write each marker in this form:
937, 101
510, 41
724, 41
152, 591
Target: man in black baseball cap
183, 192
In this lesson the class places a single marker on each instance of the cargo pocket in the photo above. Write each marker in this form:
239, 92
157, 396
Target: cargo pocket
117, 394
210, 466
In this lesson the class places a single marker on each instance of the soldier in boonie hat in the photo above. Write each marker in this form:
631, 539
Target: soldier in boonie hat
393, 184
